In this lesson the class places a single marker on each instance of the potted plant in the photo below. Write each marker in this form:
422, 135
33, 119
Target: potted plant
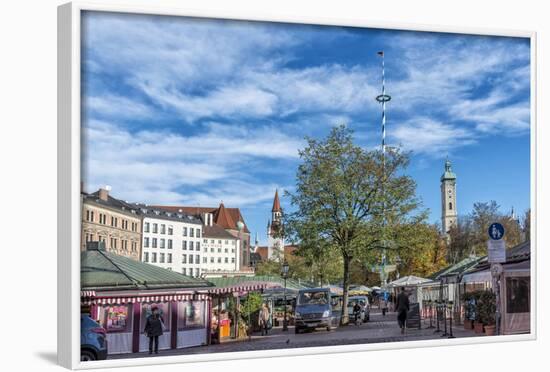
469, 310
475, 301
487, 308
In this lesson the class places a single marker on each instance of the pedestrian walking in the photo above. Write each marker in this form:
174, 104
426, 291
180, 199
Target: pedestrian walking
402, 307
153, 329
384, 306
263, 319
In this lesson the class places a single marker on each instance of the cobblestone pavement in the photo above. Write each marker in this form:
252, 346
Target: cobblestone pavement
379, 329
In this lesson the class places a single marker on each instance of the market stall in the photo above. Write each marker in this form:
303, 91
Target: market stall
120, 293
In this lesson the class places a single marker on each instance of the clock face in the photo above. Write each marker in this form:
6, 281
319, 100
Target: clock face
450, 191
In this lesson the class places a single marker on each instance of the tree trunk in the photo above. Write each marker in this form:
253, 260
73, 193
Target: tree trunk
344, 320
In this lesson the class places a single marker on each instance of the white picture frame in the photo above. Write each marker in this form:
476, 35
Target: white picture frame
69, 101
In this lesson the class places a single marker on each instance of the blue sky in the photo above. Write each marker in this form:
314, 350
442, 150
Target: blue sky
191, 111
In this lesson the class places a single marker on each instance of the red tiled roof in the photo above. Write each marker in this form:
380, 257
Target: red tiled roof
234, 214
223, 218
276, 203
262, 251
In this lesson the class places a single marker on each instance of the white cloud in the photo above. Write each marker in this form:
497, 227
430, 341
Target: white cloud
158, 167
427, 136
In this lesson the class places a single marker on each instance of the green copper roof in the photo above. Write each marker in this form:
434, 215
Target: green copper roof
457, 268
101, 270
272, 280
448, 175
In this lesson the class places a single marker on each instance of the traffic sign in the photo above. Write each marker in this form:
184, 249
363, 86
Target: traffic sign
496, 231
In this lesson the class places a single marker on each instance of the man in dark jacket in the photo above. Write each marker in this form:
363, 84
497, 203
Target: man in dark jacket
153, 329
402, 307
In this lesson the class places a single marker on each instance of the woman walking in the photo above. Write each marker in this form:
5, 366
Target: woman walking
153, 329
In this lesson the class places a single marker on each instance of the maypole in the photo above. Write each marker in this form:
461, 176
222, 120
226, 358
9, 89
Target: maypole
383, 98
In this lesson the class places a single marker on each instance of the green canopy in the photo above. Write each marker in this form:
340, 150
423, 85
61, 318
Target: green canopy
101, 270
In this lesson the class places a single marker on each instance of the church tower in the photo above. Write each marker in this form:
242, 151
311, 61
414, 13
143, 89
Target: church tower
275, 241
448, 199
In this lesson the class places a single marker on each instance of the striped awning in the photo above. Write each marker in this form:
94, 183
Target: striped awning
245, 287
87, 293
104, 300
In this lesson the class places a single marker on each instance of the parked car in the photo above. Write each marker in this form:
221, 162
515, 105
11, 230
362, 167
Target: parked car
93, 340
317, 308
365, 307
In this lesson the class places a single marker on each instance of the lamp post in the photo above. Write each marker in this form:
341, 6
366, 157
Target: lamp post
240, 227
284, 274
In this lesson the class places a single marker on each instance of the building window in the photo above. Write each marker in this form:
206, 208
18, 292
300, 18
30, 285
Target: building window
146, 257
184, 259
227, 242
198, 246
146, 242
198, 233
211, 259
191, 271
192, 232
232, 259
212, 241
184, 245
197, 259
219, 260
161, 259
169, 243
92, 216
184, 271
204, 259
190, 258
146, 227
232, 250
163, 229
155, 228
170, 230
226, 250
154, 242
162, 243
184, 231
191, 246
154, 257
219, 242
212, 250
226, 260
450, 206
169, 257
219, 250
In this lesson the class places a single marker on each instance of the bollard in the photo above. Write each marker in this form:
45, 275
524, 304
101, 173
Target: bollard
451, 321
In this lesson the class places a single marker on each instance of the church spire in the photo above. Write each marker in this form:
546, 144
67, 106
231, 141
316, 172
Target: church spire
276, 202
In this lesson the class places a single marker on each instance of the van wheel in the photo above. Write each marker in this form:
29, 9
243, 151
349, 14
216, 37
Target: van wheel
86, 355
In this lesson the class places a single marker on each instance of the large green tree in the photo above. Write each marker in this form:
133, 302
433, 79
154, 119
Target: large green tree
349, 200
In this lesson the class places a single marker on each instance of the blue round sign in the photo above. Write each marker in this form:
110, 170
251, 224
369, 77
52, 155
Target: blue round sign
496, 231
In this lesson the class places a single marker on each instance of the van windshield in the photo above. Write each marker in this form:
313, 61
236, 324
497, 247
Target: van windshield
313, 298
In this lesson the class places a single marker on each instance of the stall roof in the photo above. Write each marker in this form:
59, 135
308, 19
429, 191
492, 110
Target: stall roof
101, 270
268, 281
409, 280
458, 268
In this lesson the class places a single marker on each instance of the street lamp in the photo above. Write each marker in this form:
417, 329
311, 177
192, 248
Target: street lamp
240, 227
284, 274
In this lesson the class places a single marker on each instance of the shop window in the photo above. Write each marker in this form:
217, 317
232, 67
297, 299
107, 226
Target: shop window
517, 295
116, 318
190, 315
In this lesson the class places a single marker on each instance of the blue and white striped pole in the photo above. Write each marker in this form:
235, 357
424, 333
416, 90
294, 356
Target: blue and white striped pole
383, 98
